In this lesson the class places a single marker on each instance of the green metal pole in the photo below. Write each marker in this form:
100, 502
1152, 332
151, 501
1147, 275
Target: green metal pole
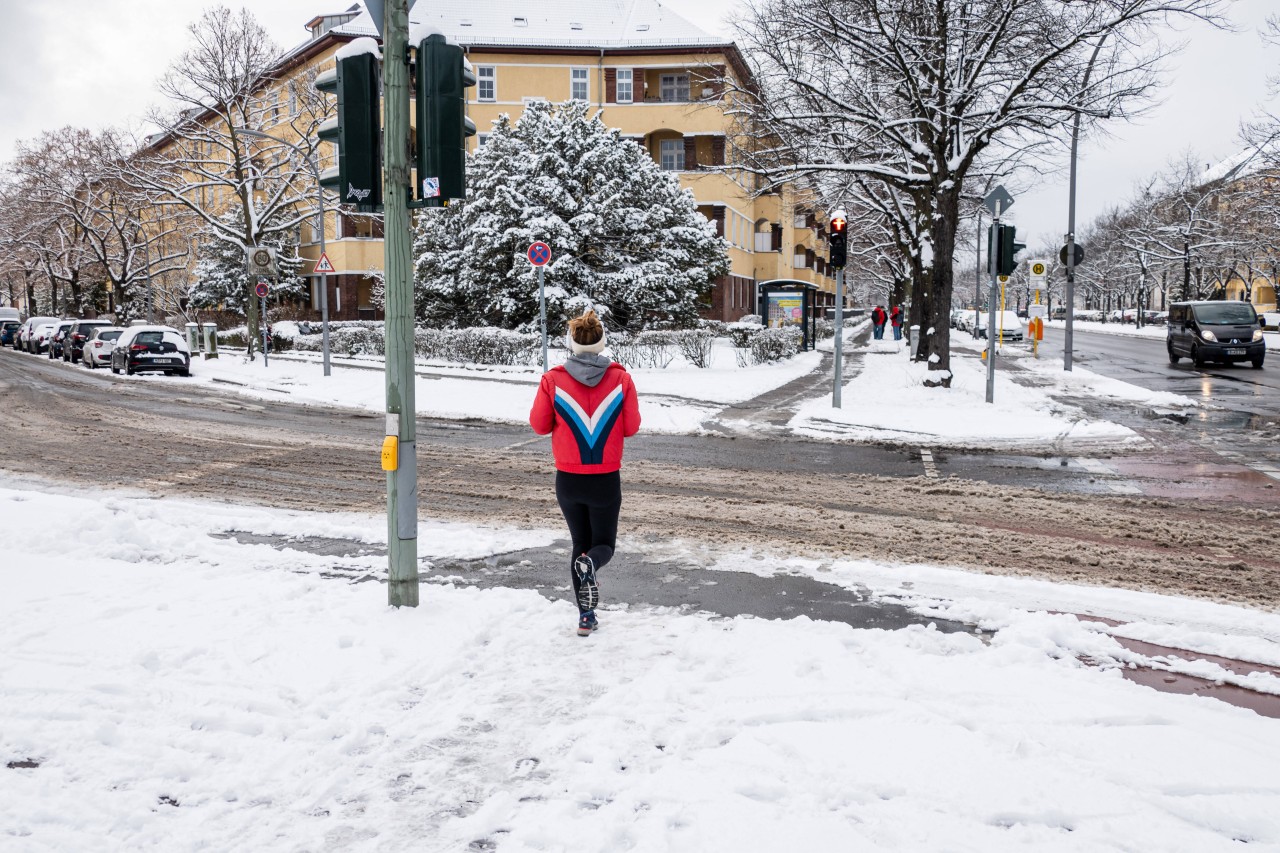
402, 483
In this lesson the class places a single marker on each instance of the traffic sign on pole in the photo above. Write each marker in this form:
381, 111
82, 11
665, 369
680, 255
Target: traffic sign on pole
262, 288
324, 264
539, 254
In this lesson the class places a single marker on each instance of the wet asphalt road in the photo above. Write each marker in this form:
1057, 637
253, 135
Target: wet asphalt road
1144, 362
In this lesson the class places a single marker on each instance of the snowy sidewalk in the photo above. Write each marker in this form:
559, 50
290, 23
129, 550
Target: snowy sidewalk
177, 690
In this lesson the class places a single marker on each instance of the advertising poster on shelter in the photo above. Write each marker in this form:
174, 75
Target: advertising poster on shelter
784, 309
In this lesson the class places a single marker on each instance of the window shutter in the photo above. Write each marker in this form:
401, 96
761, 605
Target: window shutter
637, 82
717, 151
690, 152
808, 258
718, 216
611, 85
777, 237
811, 220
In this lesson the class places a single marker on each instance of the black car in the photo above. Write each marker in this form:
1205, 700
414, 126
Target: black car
142, 348
58, 337
1215, 331
73, 346
9, 334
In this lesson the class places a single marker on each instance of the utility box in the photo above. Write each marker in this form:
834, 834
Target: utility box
210, 340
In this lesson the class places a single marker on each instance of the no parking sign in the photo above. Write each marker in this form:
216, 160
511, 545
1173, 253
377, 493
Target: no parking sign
539, 254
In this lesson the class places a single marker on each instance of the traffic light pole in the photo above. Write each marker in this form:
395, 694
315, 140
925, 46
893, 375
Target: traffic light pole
839, 380
993, 253
402, 482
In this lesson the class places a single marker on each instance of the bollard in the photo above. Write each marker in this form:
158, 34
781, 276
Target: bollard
193, 331
912, 333
210, 340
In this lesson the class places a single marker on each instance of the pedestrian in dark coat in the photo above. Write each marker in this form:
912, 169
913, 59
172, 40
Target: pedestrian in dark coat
589, 406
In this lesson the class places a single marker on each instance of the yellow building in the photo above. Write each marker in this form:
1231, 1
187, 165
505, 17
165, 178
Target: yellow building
653, 75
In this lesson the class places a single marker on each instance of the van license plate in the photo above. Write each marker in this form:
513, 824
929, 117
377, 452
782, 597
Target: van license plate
1236, 352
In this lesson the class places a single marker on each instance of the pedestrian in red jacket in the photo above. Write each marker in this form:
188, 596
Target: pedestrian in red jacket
895, 317
878, 318
589, 406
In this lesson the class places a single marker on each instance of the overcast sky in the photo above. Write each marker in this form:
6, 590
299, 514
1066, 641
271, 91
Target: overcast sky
95, 62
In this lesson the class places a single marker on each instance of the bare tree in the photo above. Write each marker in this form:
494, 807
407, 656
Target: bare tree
228, 80
99, 223
913, 93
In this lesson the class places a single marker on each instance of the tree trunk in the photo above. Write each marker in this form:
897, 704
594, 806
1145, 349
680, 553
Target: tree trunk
935, 330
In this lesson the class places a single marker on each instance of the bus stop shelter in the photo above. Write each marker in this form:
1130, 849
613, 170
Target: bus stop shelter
785, 303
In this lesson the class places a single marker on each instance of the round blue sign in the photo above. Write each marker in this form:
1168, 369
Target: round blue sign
539, 254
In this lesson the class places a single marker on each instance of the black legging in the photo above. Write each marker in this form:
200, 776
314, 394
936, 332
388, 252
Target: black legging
590, 503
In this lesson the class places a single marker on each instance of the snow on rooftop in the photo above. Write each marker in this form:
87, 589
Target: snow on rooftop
1232, 167
601, 23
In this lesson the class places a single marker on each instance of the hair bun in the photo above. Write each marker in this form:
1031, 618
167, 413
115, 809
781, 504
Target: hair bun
586, 329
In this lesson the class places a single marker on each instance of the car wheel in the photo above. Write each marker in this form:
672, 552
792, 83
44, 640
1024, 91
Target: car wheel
1174, 358
128, 371
91, 363
1257, 362
187, 372
1197, 357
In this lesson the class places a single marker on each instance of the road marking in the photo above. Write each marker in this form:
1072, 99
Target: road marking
527, 441
1102, 469
930, 470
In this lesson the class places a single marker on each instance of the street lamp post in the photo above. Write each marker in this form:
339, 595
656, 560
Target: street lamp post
1070, 295
324, 277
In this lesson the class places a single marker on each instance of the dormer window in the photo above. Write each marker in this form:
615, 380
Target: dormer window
575, 25
642, 28
465, 22
520, 22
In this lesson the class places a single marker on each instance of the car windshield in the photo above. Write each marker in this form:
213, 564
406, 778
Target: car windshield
1227, 313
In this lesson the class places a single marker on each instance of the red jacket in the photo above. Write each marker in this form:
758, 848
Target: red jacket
895, 316
878, 316
587, 424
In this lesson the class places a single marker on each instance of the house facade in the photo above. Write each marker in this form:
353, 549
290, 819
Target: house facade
657, 78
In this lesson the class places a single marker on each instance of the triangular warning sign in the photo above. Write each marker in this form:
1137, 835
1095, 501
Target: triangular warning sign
323, 264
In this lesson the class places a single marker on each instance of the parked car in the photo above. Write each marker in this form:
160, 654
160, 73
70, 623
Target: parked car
1215, 331
9, 333
27, 332
956, 316
1008, 326
1155, 318
97, 349
57, 337
1059, 313
79, 333
141, 348
38, 342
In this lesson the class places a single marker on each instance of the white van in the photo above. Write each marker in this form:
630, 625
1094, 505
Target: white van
9, 315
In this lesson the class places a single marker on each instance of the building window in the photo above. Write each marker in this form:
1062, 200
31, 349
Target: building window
487, 82
675, 88
800, 219
482, 139
671, 155
625, 88
578, 86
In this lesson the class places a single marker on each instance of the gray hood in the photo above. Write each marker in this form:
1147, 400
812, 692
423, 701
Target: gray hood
588, 368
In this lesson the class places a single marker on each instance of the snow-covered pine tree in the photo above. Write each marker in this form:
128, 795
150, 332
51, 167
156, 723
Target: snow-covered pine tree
219, 275
625, 237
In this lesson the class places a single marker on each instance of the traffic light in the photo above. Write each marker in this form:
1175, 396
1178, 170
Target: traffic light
1001, 247
357, 129
443, 127
839, 239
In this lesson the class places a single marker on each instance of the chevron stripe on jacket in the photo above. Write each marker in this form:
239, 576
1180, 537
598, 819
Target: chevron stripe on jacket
587, 424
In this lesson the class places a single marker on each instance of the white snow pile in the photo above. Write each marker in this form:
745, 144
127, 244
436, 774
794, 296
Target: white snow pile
888, 401
178, 691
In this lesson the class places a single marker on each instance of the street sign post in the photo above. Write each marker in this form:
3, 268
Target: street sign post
997, 201
540, 255
262, 288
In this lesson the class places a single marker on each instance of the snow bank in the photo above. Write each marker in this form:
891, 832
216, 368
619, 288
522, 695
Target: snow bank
184, 692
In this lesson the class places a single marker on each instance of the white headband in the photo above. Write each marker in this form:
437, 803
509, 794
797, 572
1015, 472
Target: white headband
579, 349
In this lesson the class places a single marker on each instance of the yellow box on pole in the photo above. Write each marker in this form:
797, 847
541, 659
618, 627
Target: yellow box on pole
390, 453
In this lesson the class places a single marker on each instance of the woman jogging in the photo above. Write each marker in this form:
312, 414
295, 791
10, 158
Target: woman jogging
589, 406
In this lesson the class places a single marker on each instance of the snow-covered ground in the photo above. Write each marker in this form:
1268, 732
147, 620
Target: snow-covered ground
181, 691
885, 400
888, 401
677, 398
